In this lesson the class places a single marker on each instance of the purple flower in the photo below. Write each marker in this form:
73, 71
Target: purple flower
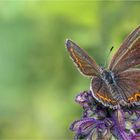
86, 100
102, 123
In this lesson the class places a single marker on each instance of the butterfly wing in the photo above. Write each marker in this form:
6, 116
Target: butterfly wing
128, 55
102, 93
83, 61
129, 82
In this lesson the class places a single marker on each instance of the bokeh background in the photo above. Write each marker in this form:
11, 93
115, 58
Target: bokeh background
38, 81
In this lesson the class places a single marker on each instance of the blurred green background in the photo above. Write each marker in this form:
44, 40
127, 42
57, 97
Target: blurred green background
38, 81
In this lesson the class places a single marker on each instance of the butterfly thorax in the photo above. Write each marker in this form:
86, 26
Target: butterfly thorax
108, 77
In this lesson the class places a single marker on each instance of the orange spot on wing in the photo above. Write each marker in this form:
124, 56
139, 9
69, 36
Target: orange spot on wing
105, 98
77, 60
130, 98
134, 97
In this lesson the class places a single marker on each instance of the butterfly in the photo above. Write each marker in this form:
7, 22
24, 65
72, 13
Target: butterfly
119, 83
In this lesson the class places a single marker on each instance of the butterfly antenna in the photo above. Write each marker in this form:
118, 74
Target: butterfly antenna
108, 55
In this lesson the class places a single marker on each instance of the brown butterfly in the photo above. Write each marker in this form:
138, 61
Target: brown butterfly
119, 84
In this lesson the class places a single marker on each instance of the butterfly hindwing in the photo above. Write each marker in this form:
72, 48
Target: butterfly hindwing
129, 82
101, 92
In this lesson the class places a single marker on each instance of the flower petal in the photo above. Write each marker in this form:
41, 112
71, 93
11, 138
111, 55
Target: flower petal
119, 125
119, 118
84, 126
107, 134
120, 134
85, 99
134, 136
89, 113
93, 135
136, 124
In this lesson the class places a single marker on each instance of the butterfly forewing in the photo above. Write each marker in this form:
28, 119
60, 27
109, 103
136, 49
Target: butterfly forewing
84, 62
128, 55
